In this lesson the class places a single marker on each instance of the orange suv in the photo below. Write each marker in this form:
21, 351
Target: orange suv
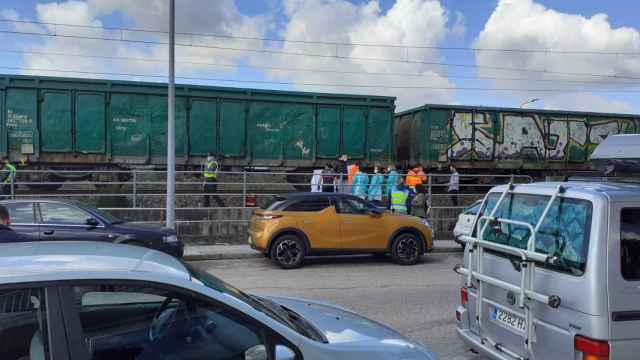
303, 224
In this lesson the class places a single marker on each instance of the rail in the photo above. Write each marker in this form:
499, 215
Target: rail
142, 191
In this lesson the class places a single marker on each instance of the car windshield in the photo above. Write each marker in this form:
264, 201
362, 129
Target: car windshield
279, 313
564, 233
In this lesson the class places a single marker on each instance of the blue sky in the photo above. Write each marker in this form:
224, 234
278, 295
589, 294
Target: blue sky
524, 24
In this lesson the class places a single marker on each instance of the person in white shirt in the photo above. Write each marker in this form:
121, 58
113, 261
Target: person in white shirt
454, 185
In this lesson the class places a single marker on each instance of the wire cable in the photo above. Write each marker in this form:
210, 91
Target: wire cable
335, 57
450, 88
313, 70
329, 43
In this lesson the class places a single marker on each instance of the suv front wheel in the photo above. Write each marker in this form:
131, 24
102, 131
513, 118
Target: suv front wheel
288, 251
406, 249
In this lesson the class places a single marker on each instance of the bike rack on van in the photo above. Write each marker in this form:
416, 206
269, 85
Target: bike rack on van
529, 257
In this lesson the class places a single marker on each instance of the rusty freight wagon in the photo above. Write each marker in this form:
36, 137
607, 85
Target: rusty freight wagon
63, 123
486, 139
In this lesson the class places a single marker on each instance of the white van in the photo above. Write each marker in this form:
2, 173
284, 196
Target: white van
552, 270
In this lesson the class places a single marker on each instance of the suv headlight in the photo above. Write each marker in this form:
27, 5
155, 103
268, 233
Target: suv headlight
170, 239
425, 222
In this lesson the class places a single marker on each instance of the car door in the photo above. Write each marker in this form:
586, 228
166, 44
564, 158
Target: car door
31, 325
60, 221
318, 219
143, 320
359, 228
23, 219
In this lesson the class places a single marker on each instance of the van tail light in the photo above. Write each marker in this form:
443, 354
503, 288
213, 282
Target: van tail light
464, 296
592, 349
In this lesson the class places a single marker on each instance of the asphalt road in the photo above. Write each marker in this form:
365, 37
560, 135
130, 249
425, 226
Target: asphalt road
416, 300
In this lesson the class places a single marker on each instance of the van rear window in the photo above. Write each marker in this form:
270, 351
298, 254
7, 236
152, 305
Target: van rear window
564, 233
630, 241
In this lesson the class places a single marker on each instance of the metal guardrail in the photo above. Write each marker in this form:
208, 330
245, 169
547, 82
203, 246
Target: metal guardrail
140, 187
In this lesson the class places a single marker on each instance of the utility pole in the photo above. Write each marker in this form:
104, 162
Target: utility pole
171, 123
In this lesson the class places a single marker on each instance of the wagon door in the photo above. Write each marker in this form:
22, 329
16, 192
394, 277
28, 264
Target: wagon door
624, 280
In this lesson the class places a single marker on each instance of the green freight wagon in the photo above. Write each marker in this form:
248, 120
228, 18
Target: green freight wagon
486, 138
64, 123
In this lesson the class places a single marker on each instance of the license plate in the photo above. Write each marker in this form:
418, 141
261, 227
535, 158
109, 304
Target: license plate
509, 320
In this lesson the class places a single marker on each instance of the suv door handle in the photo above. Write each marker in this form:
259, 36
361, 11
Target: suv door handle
49, 232
347, 222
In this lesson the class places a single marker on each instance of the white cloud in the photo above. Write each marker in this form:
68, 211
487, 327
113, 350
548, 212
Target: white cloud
407, 22
525, 24
584, 101
192, 16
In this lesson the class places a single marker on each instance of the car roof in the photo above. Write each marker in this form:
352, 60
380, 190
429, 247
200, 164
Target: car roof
613, 190
33, 259
302, 195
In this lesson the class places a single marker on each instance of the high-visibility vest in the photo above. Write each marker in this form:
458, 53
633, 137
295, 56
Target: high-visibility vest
399, 201
413, 179
352, 170
12, 173
211, 170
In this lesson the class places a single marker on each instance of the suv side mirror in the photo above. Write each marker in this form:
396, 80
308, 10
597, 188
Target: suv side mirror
92, 222
375, 212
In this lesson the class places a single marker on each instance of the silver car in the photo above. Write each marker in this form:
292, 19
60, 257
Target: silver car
552, 271
82, 300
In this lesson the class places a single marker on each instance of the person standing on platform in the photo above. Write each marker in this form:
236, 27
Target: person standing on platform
360, 184
328, 179
210, 175
316, 181
415, 179
8, 177
391, 183
375, 188
454, 185
399, 199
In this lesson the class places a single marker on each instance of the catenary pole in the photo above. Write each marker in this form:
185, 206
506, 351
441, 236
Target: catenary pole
171, 124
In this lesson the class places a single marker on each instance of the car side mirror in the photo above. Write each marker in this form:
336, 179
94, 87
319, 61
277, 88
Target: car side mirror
375, 212
259, 352
284, 353
91, 222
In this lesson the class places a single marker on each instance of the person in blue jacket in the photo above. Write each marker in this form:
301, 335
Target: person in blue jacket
391, 182
375, 188
360, 184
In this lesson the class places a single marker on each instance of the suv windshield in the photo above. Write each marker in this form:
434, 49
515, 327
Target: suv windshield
564, 233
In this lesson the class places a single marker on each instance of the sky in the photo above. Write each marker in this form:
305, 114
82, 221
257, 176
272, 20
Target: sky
570, 55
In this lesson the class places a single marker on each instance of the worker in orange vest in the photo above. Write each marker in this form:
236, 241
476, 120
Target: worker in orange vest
415, 178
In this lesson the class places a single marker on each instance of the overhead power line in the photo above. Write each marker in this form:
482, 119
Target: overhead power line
335, 57
331, 43
339, 85
619, 81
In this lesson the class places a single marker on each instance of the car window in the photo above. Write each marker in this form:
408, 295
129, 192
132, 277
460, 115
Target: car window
276, 205
355, 206
53, 213
140, 322
564, 233
309, 204
23, 324
21, 213
630, 242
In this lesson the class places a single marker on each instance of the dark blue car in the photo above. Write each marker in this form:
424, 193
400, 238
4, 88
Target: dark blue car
53, 220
